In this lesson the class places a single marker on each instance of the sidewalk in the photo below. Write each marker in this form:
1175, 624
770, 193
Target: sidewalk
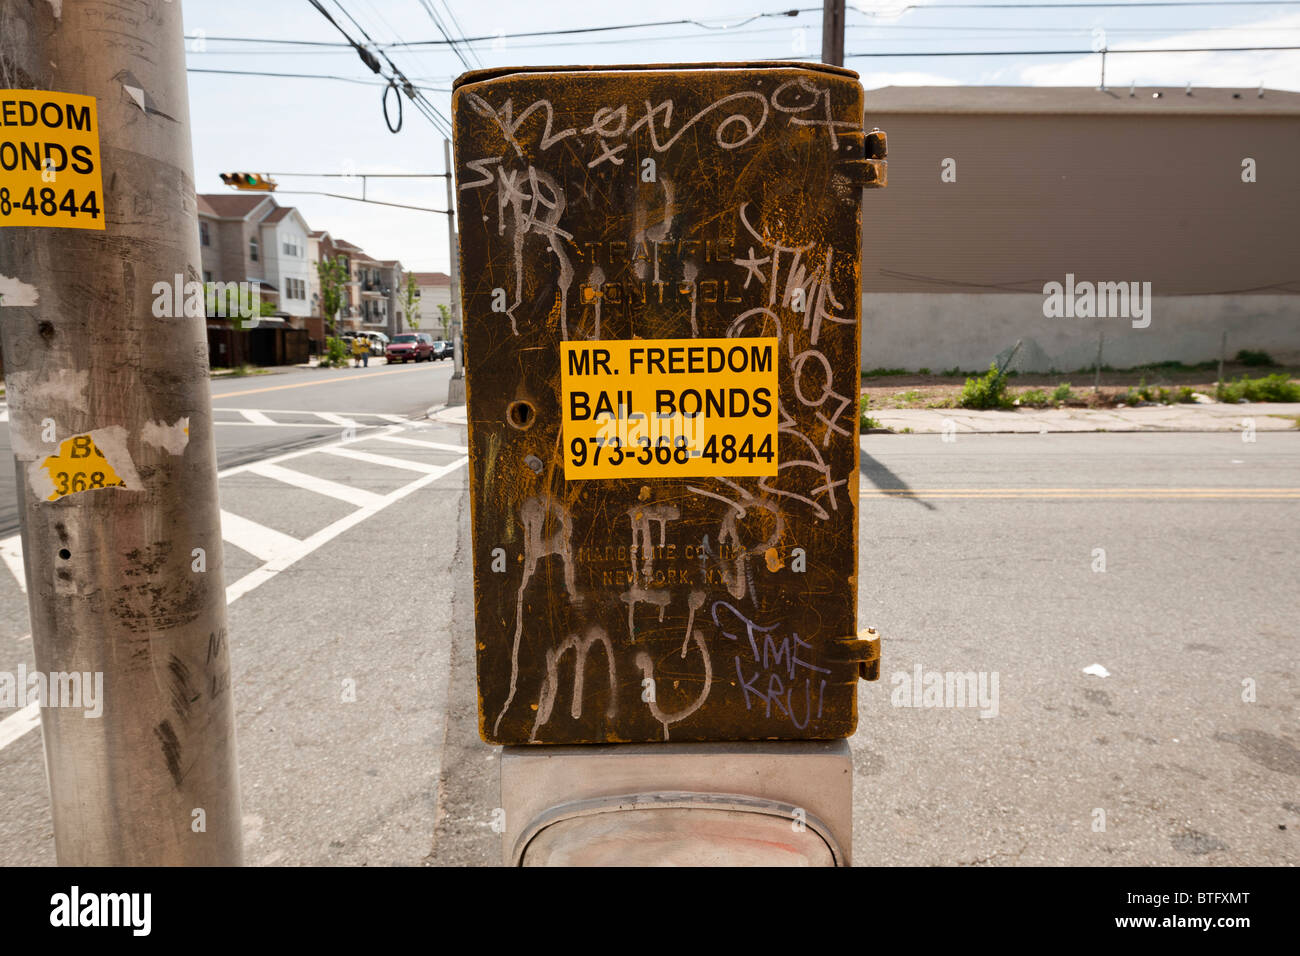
1264, 416
451, 414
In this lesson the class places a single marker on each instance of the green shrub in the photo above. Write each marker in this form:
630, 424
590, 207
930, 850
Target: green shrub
1186, 395
336, 353
986, 391
1033, 396
877, 372
1063, 393
922, 371
1271, 388
953, 372
1249, 357
865, 420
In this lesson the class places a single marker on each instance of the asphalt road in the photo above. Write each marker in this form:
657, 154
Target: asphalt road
298, 395
976, 556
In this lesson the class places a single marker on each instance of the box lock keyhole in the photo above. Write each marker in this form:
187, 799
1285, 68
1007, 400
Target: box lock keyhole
521, 415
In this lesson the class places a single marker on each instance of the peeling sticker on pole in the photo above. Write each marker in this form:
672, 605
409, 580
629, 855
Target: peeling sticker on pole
88, 462
50, 160
16, 292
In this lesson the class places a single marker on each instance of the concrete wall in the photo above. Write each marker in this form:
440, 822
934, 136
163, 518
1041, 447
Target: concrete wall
967, 330
954, 268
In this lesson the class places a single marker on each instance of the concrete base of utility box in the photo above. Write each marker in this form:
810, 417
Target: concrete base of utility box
692, 804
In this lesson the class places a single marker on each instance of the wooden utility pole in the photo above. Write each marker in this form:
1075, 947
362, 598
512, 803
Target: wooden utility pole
106, 364
833, 32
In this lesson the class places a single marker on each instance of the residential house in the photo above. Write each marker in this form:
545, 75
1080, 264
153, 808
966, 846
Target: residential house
434, 290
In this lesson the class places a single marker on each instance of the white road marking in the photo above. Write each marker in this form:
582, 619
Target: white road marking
420, 443
11, 551
256, 417
381, 459
336, 419
289, 550
19, 723
307, 546
257, 539
321, 486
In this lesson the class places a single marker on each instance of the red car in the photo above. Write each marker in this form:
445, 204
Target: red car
410, 346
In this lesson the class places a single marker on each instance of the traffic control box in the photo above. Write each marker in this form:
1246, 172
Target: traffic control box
660, 275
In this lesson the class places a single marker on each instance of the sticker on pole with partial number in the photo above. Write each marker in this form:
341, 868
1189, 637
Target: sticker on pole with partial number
669, 408
50, 173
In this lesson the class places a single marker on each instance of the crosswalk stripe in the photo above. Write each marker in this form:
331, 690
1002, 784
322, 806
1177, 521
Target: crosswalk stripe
257, 539
11, 552
335, 419
321, 486
256, 417
305, 547
19, 723
381, 459
420, 443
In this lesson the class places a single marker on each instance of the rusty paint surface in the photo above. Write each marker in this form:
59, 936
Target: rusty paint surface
662, 608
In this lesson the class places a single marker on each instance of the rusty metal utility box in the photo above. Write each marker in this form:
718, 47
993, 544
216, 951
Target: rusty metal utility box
660, 275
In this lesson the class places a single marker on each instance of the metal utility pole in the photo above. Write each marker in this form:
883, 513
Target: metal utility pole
111, 426
833, 32
456, 387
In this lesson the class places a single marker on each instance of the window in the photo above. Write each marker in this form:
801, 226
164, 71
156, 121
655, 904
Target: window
291, 247
204, 237
252, 248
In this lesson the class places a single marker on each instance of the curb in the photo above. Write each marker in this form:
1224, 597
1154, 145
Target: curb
450, 414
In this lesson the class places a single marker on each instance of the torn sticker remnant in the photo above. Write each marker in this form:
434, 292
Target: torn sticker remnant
97, 459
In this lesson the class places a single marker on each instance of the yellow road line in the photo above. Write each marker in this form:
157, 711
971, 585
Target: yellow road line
328, 381
1095, 493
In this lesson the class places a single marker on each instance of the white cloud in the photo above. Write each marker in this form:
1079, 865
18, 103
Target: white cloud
874, 81
1277, 69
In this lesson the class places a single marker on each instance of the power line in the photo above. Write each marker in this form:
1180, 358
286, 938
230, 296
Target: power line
420, 101
1108, 52
311, 76
446, 5
899, 11
431, 112
428, 8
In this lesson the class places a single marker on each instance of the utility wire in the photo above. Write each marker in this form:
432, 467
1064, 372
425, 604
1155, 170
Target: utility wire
420, 101
428, 8
1110, 4
446, 5
1108, 52
431, 112
312, 76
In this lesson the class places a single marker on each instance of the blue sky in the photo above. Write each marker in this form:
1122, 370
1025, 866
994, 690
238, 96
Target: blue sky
263, 124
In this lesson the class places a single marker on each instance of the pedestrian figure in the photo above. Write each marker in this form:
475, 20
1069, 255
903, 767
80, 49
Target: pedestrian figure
361, 351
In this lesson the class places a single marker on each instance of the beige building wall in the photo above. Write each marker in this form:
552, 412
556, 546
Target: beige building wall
991, 197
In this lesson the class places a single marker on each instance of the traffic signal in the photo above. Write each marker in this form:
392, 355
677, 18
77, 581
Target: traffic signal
249, 181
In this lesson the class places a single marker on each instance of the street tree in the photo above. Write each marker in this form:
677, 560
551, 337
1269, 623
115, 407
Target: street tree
334, 277
411, 299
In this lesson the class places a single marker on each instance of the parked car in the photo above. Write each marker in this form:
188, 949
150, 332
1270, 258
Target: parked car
378, 342
410, 347
443, 350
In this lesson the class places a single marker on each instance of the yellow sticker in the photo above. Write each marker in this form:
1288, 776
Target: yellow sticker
49, 160
79, 466
669, 408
